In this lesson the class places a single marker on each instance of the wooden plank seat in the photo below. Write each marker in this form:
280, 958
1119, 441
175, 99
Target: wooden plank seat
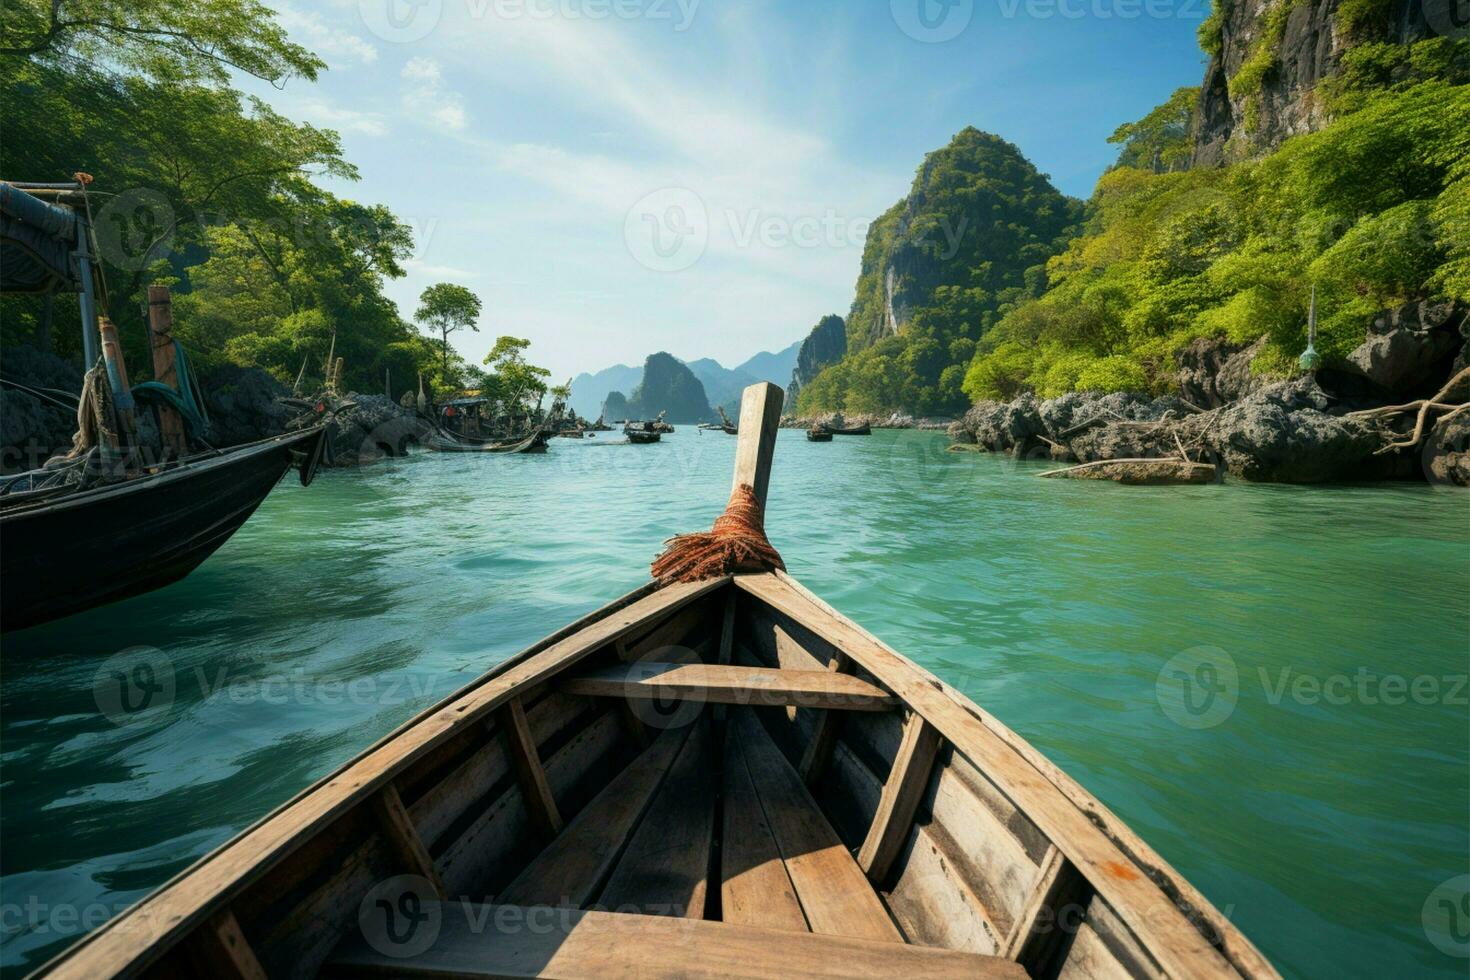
482, 941
731, 684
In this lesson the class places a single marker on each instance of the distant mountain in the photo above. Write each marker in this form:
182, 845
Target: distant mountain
825, 345
589, 391
722, 385
613, 409
669, 386
775, 368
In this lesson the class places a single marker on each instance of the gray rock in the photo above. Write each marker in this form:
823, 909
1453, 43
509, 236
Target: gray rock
376, 427
1214, 371
243, 405
1005, 426
1282, 434
1447, 451
1409, 349
31, 429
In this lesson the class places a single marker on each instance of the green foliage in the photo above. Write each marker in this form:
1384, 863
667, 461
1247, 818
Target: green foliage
1264, 53
969, 243
1364, 18
1161, 141
444, 308
1373, 67
1373, 209
513, 381
1211, 32
204, 190
200, 40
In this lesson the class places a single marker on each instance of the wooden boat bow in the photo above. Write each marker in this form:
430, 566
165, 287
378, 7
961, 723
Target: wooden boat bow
770, 789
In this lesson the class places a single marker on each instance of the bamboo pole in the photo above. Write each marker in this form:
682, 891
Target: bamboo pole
165, 366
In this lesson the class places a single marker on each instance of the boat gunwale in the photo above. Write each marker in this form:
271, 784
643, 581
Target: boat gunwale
131, 942
1233, 947
184, 468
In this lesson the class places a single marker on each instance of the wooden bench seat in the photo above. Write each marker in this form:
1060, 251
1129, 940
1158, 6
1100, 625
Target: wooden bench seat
483, 941
732, 684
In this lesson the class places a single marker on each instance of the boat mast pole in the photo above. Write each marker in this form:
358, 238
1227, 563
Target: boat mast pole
760, 419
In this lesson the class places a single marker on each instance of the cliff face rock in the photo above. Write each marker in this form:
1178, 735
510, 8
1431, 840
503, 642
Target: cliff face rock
615, 407
978, 215
1215, 372
824, 346
243, 405
669, 386
1410, 350
1299, 44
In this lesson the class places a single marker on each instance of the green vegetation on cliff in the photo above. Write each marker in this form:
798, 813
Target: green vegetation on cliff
939, 269
1373, 210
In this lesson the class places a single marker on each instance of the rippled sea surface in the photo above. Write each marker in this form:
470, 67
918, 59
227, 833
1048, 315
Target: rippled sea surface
1267, 683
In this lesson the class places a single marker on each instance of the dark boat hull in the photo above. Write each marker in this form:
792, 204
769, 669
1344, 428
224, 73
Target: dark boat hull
856, 430
641, 438
818, 435
450, 443
95, 547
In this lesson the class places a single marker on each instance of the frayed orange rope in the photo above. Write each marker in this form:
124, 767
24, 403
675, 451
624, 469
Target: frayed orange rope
737, 543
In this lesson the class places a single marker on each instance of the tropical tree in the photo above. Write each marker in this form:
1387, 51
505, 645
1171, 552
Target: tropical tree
201, 40
445, 308
516, 379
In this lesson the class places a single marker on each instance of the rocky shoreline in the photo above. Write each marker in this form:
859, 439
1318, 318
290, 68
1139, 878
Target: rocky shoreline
897, 420
1358, 422
244, 405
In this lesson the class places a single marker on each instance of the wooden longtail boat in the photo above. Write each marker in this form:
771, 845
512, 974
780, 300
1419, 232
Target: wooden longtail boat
711, 778
444, 441
641, 433
730, 429
818, 434
68, 550
852, 430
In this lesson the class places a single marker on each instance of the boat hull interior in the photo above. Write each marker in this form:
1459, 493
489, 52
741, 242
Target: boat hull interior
717, 779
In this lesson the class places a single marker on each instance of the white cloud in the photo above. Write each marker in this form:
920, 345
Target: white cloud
319, 112
337, 47
422, 268
426, 94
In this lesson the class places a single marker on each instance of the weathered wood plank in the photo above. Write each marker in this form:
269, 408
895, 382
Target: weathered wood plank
901, 793
1140, 903
574, 867
529, 774
1059, 896
717, 684
760, 420
755, 889
504, 942
221, 950
834, 893
148, 930
404, 838
665, 869
829, 725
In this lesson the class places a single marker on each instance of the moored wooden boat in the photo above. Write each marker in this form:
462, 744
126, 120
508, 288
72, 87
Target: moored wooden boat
730, 428
641, 433
722, 777
818, 434
444, 441
851, 430
69, 550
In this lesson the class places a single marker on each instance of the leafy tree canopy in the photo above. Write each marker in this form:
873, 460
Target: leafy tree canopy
197, 40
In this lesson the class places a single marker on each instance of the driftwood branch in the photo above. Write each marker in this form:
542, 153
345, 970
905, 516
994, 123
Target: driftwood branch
1423, 407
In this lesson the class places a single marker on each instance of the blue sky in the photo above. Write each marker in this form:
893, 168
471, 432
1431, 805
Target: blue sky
616, 177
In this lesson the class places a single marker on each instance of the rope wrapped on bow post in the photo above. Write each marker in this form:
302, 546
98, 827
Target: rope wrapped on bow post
737, 543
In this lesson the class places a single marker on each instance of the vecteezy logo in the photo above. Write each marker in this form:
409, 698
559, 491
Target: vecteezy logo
932, 21
673, 708
401, 916
1446, 917
1448, 18
668, 230
400, 21
134, 686
1198, 688
135, 228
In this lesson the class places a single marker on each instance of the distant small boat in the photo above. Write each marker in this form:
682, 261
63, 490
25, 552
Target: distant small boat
818, 434
855, 430
443, 441
730, 428
641, 433
716, 775
659, 425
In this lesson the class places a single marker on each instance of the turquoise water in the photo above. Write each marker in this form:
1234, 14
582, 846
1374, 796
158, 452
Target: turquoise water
1320, 823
